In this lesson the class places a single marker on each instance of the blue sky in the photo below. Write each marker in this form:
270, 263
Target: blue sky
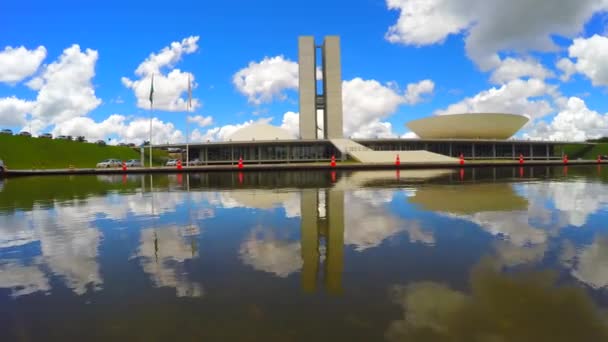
474, 57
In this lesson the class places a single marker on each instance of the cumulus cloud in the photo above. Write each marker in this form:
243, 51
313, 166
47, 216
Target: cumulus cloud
367, 102
168, 87
291, 123
513, 68
223, 133
575, 121
136, 130
517, 96
201, 121
267, 80
567, 68
13, 111
65, 90
18, 63
590, 54
488, 25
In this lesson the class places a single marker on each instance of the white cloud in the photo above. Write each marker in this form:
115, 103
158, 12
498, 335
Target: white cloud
223, 133
517, 97
265, 252
488, 25
367, 102
574, 122
18, 63
266, 80
567, 68
133, 131
291, 123
169, 87
415, 91
201, 121
513, 68
590, 54
13, 111
65, 90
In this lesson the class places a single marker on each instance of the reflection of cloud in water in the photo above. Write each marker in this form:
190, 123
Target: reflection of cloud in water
67, 240
524, 307
264, 251
574, 200
22, 279
368, 223
513, 255
162, 253
257, 199
589, 264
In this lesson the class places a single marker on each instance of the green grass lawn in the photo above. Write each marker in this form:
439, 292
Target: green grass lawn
579, 151
20, 152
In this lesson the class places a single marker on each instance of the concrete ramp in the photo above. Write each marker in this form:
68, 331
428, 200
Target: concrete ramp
366, 155
404, 157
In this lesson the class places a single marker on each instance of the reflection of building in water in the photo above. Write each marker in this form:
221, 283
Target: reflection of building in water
317, 229
163, 253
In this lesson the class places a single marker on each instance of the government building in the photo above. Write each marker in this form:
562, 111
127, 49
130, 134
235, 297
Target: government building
441, 138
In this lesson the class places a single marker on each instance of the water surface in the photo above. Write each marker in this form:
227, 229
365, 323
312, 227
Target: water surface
502, 254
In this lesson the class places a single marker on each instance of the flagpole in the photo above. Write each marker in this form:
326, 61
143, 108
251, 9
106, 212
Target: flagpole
151, 110
188, 107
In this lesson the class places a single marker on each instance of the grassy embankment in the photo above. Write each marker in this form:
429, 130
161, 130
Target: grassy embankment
34, 153
584, 152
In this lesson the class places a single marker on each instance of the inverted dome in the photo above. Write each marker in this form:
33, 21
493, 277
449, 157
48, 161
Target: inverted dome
468, 126
260, 131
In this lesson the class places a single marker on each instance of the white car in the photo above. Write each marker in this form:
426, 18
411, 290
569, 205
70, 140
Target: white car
195, 162
171, 162
109, 163
133, 163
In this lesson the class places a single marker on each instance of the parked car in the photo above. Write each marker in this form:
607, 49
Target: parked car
122, 144
109, 163
133, 163
61, 137
195, 162
100, 143
2, 166
46, 136
604, 157
131, 145
6, 131
25, 134
171, 162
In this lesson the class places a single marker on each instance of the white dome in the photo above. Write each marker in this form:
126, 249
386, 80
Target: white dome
260, 131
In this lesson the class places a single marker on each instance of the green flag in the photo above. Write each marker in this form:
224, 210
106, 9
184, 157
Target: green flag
152, 90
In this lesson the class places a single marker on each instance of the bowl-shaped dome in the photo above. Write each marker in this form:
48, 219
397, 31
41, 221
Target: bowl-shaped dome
260, 131
468, 126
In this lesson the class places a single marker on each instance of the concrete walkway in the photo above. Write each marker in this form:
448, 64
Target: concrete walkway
366, 155
301, 167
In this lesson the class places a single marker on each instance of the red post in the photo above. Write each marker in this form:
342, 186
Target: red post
240, 178
521, 172
333, 161
599, 159
240, 165
565, 159
179, 164
461, 159
124, 166
333, 176
521, 159
461, 174
397, 161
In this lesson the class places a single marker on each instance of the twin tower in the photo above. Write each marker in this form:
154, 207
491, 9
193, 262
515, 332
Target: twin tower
328, 97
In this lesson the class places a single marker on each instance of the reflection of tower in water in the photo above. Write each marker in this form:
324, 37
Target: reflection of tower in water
322, 213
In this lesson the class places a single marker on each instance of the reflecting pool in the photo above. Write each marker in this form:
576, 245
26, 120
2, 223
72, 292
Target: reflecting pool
503, 254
